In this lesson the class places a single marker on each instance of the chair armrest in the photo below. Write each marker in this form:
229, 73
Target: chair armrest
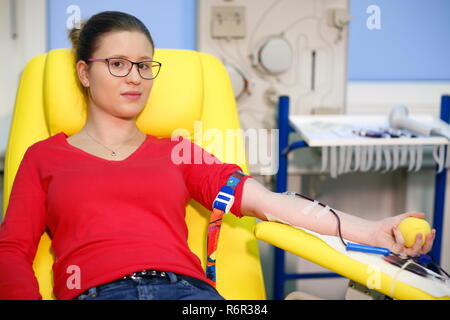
314, 249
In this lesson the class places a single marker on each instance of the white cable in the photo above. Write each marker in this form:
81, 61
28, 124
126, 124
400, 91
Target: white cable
363, 160
387, 158
378, 157
438, 153
369, 158
441, 158
342, 151
419, 154
324, 158
395, 157
404, 155
333, 165
435, 155
396, 276
412, 157
258, 24
357, 158
348, 160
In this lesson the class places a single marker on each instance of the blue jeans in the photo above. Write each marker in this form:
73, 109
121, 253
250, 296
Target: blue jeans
175, 288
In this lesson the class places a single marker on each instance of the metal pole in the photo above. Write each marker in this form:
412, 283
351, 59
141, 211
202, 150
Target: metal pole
281, 186
439, 191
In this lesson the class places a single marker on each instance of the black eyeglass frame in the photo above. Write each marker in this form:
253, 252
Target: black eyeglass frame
129, 70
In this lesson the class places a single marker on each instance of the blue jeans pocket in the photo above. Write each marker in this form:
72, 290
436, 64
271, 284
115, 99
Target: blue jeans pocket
200, 285
89, 294
118, 289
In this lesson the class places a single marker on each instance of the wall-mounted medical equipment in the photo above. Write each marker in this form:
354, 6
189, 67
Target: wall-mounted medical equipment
276, 47
293, 47
239, 81
273, 56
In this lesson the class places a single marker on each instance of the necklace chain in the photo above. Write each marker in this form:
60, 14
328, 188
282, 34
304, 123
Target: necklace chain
113, 152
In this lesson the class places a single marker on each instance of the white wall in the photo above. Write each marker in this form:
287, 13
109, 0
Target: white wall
31, 40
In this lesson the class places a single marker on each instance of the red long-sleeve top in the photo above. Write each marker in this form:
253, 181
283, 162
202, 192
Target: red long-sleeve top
106, 218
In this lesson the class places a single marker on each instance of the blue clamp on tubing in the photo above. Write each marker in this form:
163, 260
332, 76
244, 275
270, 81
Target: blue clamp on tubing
368, 249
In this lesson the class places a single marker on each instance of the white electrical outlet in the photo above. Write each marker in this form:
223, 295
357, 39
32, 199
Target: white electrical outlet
228, 22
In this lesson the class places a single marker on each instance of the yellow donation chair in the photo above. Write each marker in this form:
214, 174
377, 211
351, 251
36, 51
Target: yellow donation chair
192, 91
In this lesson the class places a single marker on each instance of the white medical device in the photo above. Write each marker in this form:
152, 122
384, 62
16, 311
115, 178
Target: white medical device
399, 119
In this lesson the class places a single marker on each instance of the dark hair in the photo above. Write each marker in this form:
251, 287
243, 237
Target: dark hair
85, 40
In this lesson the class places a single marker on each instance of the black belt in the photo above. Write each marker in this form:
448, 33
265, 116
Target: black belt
147, 274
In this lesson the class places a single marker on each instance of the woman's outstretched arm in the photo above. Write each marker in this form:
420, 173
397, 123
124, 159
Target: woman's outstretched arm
259, 202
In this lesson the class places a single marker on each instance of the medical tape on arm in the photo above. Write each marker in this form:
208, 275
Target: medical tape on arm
306, 210
322, 212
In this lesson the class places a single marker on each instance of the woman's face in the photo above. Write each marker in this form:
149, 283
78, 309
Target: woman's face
123, 97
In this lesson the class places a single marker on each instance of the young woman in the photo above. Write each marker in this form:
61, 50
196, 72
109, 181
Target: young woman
91, 190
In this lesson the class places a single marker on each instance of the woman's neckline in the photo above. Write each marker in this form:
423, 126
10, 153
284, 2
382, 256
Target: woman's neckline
64, 137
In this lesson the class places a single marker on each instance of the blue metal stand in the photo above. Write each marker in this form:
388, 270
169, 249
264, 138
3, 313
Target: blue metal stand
281, 186
439, 191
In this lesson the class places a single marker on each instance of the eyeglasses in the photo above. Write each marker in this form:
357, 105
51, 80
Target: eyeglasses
121, 67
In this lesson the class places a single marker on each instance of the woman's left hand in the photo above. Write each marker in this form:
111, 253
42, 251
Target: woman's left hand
387, 235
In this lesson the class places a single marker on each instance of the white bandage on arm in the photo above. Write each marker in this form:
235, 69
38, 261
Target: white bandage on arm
306, 210
322, 212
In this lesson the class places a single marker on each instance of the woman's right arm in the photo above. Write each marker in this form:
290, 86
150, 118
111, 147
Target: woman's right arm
20, 233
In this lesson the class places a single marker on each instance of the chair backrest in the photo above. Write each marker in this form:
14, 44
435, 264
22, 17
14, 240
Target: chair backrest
192, 92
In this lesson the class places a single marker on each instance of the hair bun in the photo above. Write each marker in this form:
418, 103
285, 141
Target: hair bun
74, 35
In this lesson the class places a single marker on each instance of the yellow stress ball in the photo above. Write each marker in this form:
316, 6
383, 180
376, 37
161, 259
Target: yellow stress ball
410, 227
